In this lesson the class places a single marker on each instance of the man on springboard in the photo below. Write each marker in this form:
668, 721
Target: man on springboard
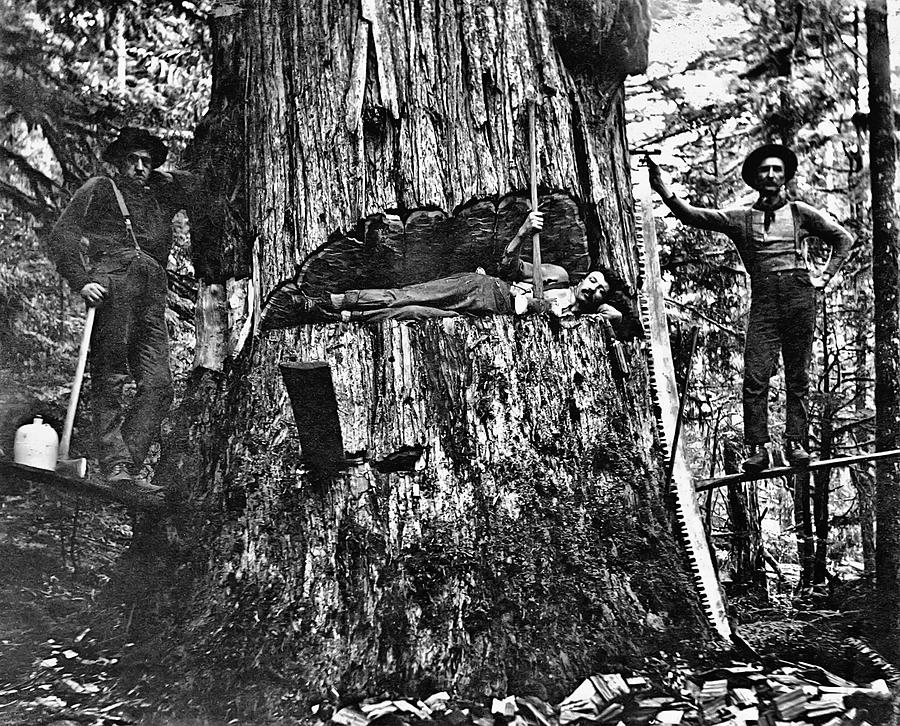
774, 237
112, 244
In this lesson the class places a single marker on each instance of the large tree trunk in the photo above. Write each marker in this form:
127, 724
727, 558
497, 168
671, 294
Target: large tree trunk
886, 281
500, 517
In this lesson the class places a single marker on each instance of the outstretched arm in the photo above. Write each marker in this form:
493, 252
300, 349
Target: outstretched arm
701, 217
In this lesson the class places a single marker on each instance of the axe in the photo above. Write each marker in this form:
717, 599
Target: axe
64, 465
537, 274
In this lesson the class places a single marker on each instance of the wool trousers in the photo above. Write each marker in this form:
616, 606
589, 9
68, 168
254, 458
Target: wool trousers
782, 320
467, 292
130, 340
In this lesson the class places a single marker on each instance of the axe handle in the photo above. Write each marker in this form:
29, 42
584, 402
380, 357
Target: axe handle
76, 384
537, 278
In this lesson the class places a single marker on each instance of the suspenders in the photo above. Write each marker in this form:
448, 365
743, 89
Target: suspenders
126, 215
799, 247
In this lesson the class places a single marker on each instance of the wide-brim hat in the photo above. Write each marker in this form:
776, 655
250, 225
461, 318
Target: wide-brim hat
755, 158
131, 138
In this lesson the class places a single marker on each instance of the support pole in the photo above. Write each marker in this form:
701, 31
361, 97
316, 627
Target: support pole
706, 484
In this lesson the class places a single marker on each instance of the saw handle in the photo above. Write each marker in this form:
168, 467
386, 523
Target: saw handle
76, 384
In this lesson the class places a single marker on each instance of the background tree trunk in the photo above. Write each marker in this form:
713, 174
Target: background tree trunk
803, 525
886, 281
500, 519
822, 479
865, 491
747, 549
746, 542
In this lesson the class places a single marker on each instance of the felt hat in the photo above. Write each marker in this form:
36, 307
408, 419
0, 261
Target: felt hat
131, 138
756, 157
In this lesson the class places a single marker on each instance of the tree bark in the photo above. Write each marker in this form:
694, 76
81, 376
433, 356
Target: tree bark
886, 280
497, 514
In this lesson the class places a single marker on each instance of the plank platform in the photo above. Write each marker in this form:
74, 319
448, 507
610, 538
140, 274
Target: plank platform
14, 479
779, 471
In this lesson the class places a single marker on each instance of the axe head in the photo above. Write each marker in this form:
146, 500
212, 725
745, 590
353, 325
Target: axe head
72, 468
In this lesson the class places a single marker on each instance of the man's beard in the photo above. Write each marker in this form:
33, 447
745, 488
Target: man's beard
137, 179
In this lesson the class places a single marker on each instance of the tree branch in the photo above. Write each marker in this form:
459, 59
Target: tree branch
711, 321
35, 176
26, 203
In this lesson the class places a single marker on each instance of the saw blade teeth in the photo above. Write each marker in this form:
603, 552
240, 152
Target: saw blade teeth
705, 601
639, 233
644, 307
889, 672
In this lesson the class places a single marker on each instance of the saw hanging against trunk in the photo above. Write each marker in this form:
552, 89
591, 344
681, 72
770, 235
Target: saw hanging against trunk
664, 391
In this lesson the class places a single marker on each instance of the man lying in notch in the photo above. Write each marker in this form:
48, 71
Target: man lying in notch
601, 292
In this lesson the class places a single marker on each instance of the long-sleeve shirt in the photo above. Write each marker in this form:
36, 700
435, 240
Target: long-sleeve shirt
94, 213
745, 226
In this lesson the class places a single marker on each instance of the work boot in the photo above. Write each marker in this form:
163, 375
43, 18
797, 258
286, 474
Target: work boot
289, 306
118, 474
317, 310
145, 487
796, 455
758, 460
140, 479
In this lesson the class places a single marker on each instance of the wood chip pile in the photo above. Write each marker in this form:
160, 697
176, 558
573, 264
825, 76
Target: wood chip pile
737, 695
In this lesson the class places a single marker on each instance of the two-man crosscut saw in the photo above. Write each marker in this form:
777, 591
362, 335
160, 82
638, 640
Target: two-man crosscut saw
664, 391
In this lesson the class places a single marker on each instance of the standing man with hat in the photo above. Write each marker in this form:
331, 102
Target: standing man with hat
773, 239
112, 244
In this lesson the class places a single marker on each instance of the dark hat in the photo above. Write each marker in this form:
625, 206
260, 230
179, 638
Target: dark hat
131, 138
755, 158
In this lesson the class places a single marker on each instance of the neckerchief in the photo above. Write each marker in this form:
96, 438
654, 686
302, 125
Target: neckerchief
769, 209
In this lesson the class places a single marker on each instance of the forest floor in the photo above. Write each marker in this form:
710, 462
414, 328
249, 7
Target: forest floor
77, 648
83, 623
68, 647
